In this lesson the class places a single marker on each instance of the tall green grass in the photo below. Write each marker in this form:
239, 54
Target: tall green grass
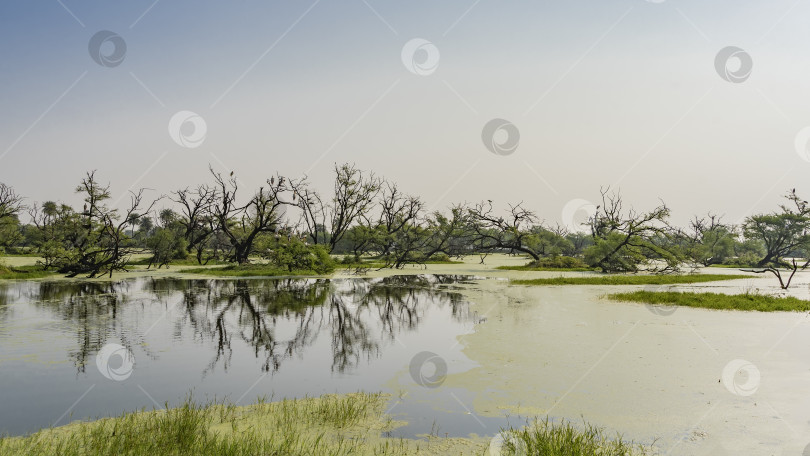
748, 301
331, 425
23, 272
564, 439
312, 426
631, 279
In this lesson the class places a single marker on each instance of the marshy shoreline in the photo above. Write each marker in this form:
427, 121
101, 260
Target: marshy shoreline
584, 359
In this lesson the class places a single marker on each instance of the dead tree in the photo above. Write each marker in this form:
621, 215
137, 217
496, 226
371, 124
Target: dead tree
197, 218
353, 198
10, 202
625, 239
241, 224
491, 232
103, 245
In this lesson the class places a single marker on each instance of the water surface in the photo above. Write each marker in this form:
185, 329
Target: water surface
226, 339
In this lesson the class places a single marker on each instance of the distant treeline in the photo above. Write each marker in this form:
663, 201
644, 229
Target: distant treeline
292, 226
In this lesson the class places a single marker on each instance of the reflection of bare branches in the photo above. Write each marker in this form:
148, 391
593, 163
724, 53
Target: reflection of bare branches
91, 306
350, 335
279, 318
5, 298
250, 311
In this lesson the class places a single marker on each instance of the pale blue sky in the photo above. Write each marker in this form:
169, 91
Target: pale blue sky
601, 91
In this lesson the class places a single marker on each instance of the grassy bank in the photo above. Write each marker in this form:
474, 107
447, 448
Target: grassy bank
330, 425
529, 267
755, 302
190, 261
631, 279
23, 272
555, 263
319, 426
375, 264
256, 270
545, 438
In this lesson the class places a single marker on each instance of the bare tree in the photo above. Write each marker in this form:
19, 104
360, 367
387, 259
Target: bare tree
328, 222
242, 223
10, 202
397, 212
197, 218
449, 234
492, 232
708, 240
102, 245
625, 239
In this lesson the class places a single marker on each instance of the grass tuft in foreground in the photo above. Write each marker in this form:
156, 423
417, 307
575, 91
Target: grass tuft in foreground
545, 438
330, 425
749, 301
631, 279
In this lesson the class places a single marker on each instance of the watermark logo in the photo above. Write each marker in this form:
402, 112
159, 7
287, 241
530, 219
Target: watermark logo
802, 144
500, 137
420, 57
663, 310
733, 64
507, 443
576, 214
107, 49
741, 377
188, 129
428, 369
115, 362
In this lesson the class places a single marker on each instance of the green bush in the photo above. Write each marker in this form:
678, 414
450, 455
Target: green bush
747, 259
293, 254
349, 259
440, 257
561, 262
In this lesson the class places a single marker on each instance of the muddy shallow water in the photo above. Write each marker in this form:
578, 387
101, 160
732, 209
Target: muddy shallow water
495, 353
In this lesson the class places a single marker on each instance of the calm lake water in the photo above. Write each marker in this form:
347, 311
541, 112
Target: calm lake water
80, 350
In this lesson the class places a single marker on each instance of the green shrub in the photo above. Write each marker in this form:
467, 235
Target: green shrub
293, 254
561, 262
746, 259
440, 257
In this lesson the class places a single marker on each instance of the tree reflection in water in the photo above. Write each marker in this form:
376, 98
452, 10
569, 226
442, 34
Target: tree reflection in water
278, 318
88, 308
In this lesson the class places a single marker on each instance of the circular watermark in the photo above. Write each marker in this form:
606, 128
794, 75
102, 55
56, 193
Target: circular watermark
188, 129
741, 377
733, 64
507, 443
422, 376
112, 370
576, 214
663, 310
802, 144
420, 56
107, 48
500, 137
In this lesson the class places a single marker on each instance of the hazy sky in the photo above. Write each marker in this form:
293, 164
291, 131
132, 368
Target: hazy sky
624, 93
